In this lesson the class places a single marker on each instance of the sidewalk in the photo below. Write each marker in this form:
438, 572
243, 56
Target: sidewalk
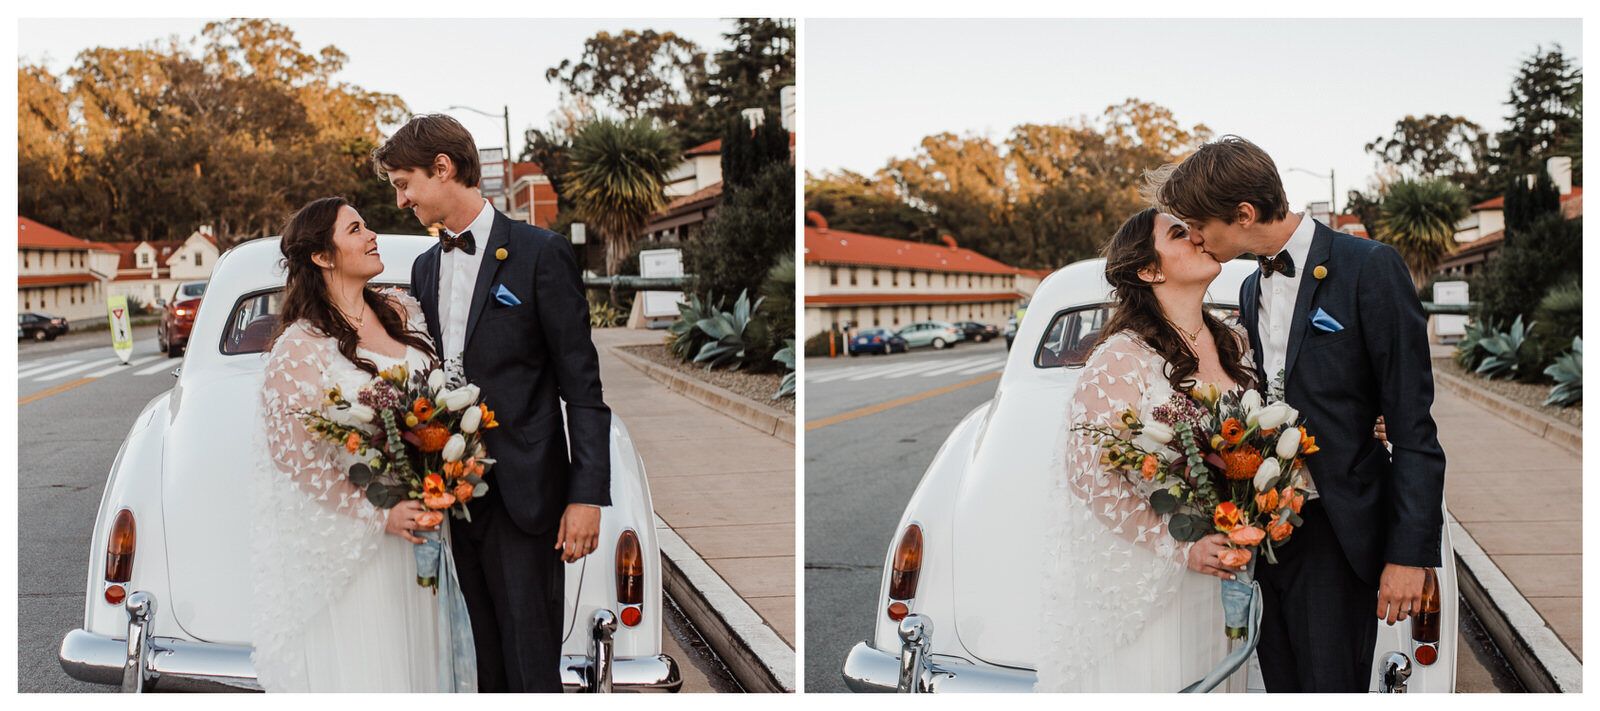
722, 486
1521, 499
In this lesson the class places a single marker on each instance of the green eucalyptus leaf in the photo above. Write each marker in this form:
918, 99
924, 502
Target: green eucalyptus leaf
1182, 528
360, 474
378, 494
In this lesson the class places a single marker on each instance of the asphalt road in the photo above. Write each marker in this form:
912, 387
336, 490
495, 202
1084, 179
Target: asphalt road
75, 406
886, 418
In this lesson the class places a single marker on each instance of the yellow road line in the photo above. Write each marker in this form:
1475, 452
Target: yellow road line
52, 391
891, 404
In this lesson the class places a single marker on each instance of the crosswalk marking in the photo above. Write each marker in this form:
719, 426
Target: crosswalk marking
922, 369
961, 364
75, 369
984, 367
916, 370
165, 365
33, 370
118, 368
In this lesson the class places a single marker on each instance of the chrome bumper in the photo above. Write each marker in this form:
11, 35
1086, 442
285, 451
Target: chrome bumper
142, 661
917, 671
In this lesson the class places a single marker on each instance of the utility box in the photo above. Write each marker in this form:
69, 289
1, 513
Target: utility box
660, 308
1450, 328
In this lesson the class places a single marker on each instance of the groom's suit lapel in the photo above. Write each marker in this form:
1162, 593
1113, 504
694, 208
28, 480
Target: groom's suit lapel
499, 236
1250, 315
427, 292
1321, 249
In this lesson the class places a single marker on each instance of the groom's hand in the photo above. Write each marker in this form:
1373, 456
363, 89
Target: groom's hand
1400, 592
579, 533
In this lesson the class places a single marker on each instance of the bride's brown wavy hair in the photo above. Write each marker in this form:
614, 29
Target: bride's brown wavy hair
1138, 311
305, 293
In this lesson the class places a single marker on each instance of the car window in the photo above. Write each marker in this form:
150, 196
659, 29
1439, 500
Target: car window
254, 320
1073, 333
191, 291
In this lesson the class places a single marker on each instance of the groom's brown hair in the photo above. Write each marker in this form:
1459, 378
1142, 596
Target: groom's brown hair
423, 138
1219, 176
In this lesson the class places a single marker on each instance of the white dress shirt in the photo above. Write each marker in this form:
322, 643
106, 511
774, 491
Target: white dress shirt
1275, 314
458, 275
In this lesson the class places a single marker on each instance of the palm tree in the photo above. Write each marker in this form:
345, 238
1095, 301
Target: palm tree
616, 173
1419, 220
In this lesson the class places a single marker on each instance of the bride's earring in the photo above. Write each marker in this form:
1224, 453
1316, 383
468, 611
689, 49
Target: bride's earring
1160, 277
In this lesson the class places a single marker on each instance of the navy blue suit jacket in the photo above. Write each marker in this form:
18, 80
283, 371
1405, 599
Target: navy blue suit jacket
1384, 508
526, 359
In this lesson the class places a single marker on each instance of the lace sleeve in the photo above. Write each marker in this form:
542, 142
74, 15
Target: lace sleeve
311, 529
1115, 378
410, 309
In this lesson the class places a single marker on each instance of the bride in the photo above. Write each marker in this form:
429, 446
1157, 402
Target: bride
336, 606
1127, 607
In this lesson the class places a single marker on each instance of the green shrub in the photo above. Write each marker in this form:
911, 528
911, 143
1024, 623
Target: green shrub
752, 228
1549, 251
605, 316
1568, 374
1560, 316
817, 345
786, 357
778, 291
733, 335
683, 339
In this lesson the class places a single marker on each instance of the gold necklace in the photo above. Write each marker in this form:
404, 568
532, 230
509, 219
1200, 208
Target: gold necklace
1194, 338
360, 320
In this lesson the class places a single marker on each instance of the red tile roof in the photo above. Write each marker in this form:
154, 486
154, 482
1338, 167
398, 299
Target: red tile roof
1035, 273
38, 236
706, 193
56, 279
911, 298
825, 245
1499, 203
714, 147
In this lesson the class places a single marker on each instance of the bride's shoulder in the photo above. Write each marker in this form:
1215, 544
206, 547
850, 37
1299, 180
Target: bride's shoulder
1120, 345
298, 341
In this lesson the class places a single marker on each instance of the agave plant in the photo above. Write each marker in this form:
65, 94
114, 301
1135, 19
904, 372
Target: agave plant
732, 333
1503, 351
786, 357
603, 315
1568, 373
683, 339
1470, 352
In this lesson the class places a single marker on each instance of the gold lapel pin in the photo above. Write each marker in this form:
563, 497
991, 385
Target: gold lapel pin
1320, 272
501, 255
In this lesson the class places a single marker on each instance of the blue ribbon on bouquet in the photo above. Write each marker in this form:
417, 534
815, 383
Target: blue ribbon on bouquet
458, 659
1233, 599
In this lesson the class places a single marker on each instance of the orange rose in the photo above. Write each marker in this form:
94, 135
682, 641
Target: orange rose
432, 437
1234, 557
488, 422
1148, 468
1279, 530
1294, 502
429, 519
442, 501
1268, 501
1246, 535
453, 469
463, 492
473, 467
1232, 431
432, 485
1242, 463
1226, 516
422, 408
352, 443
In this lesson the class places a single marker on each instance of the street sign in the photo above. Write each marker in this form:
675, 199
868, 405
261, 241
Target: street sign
121, 327
661, 263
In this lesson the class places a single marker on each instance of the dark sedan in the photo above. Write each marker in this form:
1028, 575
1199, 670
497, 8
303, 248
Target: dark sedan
40, 327
877, 340
978, 332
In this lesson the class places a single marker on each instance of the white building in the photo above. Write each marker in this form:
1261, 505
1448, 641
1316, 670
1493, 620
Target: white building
61, 275
148, 271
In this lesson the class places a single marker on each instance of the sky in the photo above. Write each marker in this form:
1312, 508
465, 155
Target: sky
432, 64
1312, 93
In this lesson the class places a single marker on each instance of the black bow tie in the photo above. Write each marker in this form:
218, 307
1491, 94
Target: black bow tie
1281, 263
461, 241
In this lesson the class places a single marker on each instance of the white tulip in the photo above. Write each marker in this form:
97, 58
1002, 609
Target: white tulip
454, 448
436, 380
1289, 443
1268, 473
1251, 402
473, 416
1274, 416
454, 400
479, 452
1157, 431
361, 413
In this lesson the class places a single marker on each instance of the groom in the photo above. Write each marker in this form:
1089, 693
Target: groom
1336, 318
506, 297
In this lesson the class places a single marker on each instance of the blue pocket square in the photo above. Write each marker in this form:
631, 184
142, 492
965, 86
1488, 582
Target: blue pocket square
504, 296
1324, 322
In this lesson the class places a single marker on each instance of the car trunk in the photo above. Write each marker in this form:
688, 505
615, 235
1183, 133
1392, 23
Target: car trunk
999, 519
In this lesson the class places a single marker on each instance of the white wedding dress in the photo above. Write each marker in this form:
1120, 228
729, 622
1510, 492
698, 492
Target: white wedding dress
1121, 610
336, 603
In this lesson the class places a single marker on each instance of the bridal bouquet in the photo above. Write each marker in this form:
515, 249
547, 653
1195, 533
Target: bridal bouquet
1233, 463
419, 436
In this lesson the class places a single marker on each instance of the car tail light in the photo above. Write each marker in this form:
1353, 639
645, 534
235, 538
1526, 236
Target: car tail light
876, 339
630, 578
119, 548
904, 568
115, 594
1425, 624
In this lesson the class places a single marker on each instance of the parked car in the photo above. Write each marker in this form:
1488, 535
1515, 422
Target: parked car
938, 334
169, 608
978, 332
959, 616
40, 327
177, 317
877, 340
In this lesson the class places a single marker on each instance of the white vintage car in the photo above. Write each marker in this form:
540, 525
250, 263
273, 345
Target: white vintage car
168, 592
942, 568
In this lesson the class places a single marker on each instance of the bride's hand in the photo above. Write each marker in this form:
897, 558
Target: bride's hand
1203, 556
403, 520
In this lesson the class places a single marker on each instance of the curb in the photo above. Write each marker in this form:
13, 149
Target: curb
1538, 657
756, 655
1562, 434
767, 420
